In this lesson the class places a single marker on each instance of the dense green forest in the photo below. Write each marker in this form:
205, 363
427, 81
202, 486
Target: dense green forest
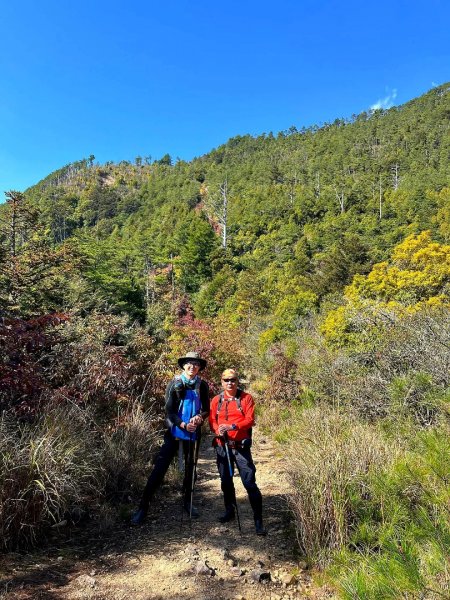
316, 261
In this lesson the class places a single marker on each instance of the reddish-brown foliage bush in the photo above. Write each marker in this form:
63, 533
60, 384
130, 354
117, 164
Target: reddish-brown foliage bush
24, 346
104, 363
219, 342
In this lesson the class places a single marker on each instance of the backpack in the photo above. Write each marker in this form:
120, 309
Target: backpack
237, 399
179, 388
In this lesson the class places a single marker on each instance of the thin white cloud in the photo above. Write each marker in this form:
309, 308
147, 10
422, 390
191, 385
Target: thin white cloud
386, 102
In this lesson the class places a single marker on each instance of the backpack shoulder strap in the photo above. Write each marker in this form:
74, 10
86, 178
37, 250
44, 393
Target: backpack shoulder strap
238, 400
238, 404
219, 405
178, 380
178, 386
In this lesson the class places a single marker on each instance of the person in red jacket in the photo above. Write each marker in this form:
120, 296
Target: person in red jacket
231, 418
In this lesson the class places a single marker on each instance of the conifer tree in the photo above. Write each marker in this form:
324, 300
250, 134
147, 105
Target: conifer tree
29, 281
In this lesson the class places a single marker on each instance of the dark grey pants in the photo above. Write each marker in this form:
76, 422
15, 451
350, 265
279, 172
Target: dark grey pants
166, 454
242, 459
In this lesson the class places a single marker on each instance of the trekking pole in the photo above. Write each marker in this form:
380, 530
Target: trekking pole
180, 446
194, 475
191, 465
187, 466
227, 452
189, 462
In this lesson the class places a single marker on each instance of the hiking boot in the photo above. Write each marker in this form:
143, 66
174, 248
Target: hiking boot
228, 515
139, 517
259, 527
191, 510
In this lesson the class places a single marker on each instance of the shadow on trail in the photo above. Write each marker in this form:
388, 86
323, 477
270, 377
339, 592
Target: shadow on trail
38, 581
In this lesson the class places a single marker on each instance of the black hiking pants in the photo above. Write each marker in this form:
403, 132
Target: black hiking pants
242, 458
166, 454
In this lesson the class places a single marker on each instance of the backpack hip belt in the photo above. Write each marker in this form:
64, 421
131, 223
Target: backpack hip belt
218, 440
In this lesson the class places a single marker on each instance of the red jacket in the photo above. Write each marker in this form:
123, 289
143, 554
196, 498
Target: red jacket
231, 415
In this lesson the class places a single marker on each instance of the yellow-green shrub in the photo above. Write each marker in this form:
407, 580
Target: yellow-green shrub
417, 277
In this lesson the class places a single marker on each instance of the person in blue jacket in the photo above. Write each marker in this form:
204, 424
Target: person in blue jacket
187, 406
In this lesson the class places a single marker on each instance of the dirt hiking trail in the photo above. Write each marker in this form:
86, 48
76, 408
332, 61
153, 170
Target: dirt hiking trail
204, 561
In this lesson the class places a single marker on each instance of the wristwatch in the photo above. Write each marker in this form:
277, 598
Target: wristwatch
234, 427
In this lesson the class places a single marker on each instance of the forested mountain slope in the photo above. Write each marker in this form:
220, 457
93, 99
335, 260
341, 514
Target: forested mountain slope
312, 206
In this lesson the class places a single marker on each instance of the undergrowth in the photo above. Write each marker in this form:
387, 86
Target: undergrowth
400, 543
365, 436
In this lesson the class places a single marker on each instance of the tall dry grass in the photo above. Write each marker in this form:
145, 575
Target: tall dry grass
65, 463
44, 470
126, 451
328, 457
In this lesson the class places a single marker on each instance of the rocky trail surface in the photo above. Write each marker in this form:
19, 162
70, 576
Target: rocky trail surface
202, 560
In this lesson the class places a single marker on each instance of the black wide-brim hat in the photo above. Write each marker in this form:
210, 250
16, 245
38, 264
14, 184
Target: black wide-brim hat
192, 356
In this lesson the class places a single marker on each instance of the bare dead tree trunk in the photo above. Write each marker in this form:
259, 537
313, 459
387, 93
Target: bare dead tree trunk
317, 185
12, 230
14, 201
291, 193
224, 211
341, 199
147, 282
380, 199
395, 169
172, 278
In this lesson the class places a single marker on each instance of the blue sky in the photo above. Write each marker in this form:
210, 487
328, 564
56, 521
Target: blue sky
123, 79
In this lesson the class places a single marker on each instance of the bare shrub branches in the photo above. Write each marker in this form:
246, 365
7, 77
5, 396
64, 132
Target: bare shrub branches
411, 357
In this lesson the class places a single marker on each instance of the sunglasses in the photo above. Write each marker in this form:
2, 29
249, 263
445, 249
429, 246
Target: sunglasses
192, 363
232, 379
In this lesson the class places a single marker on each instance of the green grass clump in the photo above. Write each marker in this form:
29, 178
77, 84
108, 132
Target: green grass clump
401, 544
